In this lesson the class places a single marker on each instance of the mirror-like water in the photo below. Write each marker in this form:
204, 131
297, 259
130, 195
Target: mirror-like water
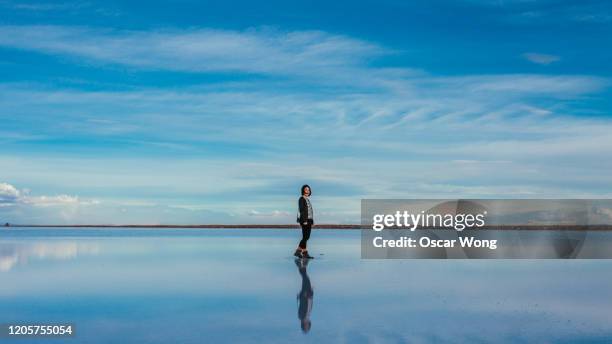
195, 286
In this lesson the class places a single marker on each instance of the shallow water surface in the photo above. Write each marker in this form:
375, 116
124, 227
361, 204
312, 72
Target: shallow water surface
230, 285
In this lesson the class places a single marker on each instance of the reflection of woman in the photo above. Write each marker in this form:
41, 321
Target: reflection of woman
304, 297
305, 219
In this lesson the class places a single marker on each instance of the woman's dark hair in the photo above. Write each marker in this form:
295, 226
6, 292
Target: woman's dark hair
304, 188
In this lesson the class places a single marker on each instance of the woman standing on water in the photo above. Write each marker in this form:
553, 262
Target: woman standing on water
305, 219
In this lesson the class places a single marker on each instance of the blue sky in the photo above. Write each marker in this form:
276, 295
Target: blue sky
217, 112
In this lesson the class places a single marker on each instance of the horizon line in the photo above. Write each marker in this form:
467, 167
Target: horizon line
597, 227
274, 226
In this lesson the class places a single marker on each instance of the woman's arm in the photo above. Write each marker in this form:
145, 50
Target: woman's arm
303, 210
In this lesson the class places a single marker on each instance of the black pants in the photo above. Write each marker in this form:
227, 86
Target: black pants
306, 228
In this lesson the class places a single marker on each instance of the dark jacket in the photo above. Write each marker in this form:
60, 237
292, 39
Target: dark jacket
303, 215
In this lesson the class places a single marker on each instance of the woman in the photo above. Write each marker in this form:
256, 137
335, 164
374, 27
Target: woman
305, 219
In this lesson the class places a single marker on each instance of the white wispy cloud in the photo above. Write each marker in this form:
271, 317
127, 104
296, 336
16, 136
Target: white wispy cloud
11, 196
8, 191
66, 8
571, 12
273, 213
8, 194
202, 113
543, 59
593, 18
382, 143
338, 122
41, 6
257, 50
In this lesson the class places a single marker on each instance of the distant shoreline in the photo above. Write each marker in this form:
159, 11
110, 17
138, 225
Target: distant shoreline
318, 226
246, 226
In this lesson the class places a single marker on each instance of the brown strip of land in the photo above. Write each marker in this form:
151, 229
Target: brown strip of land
322, 226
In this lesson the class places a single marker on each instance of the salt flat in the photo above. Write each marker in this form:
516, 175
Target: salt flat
242, 286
